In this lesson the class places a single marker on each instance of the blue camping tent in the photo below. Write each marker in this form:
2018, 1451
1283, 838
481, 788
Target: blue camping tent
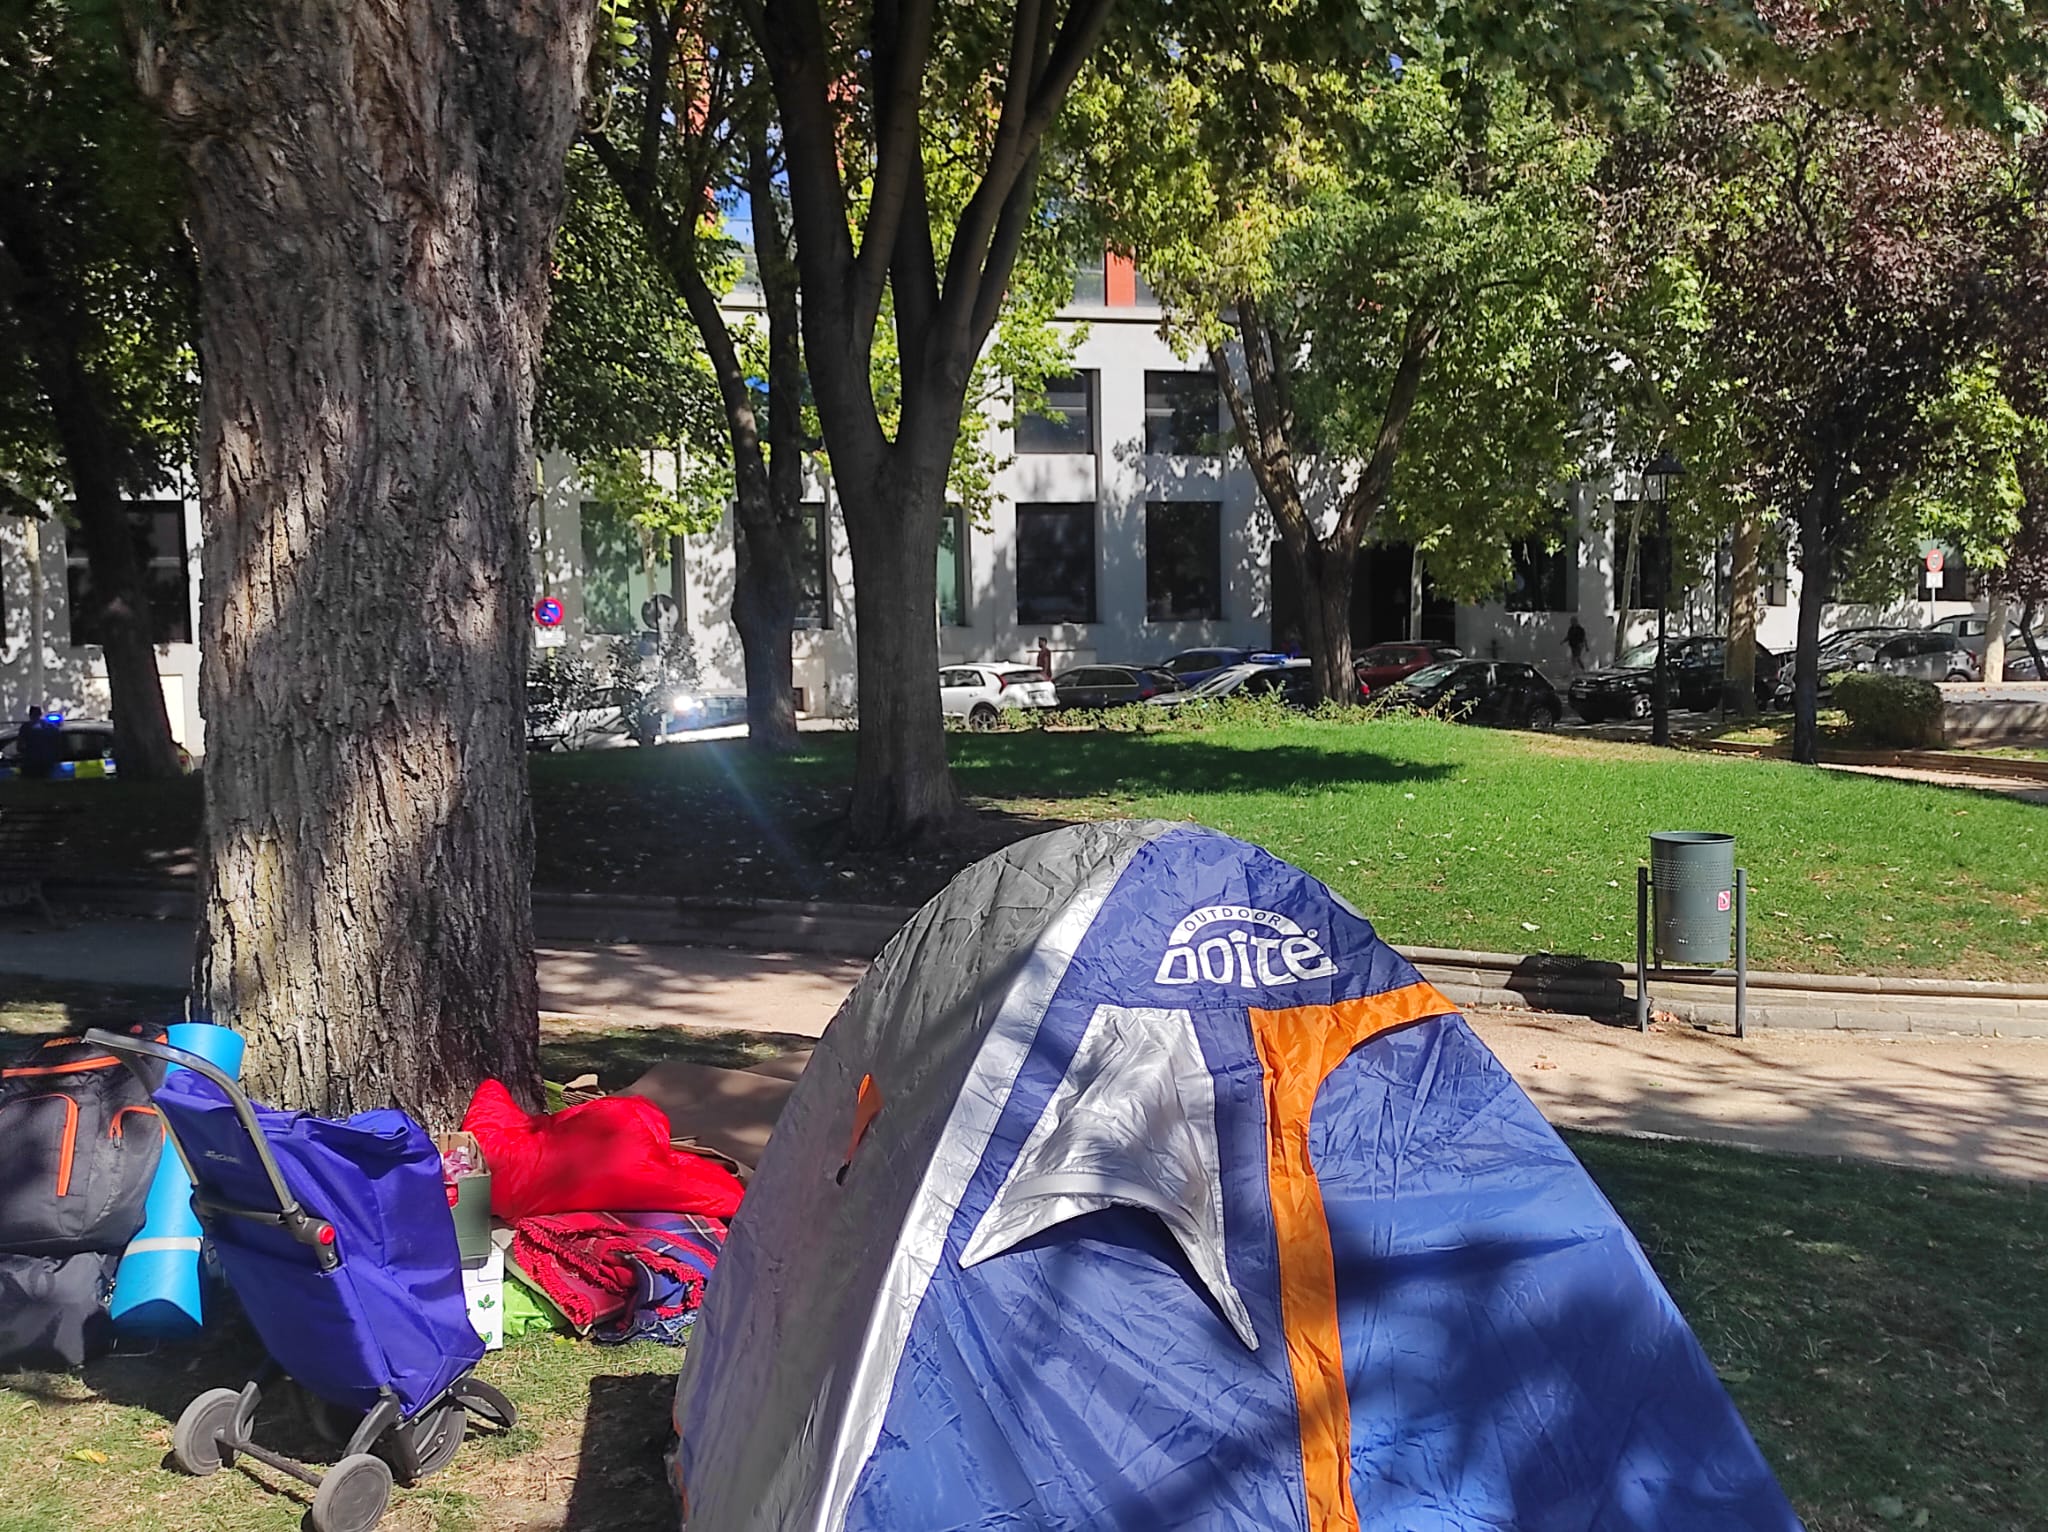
1139, 1185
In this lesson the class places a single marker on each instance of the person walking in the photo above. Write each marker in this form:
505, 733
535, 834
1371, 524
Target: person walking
1045, 659
1575, 640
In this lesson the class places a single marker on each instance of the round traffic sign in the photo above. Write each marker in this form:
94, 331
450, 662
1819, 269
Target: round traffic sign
1935, 559
548, 612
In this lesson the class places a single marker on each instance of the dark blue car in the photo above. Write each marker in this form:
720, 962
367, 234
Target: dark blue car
1191, 667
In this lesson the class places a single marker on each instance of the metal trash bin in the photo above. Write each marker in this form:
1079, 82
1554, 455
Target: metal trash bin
1693, 873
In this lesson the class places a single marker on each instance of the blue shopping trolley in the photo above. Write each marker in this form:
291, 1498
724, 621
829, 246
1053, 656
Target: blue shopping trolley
336, 1239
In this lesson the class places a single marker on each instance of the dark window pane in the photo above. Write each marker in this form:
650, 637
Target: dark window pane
1182, 413
1639, 523
1067, 423
1056, 563
1541, 564
158, 528
814, 574
1183, 561
953, 568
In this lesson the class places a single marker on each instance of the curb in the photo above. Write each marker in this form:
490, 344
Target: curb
1542, 981
1960, 763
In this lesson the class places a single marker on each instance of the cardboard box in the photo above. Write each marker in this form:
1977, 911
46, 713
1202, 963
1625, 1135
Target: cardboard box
483, 1285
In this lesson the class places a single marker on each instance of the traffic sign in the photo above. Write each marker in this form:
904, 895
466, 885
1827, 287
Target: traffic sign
1935, 559
548, 612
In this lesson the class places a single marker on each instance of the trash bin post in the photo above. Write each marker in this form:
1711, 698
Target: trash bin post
1642, 949
1742, 952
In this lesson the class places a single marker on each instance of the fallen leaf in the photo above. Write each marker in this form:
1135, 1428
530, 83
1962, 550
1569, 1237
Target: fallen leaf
90, 1455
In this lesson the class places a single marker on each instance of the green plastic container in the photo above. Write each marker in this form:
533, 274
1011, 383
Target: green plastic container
472, 1209
1693, 875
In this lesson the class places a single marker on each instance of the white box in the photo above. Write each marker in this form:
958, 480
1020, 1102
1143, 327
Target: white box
483, 1285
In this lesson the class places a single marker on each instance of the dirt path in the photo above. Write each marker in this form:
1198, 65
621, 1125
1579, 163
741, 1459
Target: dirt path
1966, 1105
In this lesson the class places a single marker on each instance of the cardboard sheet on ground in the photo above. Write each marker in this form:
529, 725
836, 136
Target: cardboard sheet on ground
730, 1112
1139, 1185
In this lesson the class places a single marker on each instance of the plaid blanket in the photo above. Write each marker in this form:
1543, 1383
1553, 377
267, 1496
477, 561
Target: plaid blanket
622, 1276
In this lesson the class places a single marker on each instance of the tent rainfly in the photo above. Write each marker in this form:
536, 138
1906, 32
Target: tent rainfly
1139, 1185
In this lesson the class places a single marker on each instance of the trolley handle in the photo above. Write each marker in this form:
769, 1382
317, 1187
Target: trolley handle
315, 1233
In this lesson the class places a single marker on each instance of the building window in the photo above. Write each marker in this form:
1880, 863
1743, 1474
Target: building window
1183, 412
1645, 574
953, 568
1067, 421
624, 565
1089, 287
1056, 563
1142, 293
1541, 569
1183, 561
158, 528
813, 569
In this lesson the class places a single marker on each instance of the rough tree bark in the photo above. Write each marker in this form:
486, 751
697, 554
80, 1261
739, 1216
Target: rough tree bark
93, 455
1997, 618
893, 488
1325, 563
1816, 531
1739, 679
375, 192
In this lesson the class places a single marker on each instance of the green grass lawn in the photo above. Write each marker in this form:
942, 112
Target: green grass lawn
1446, 835
1880, 1330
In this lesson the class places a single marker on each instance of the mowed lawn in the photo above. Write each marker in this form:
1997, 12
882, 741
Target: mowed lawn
1446, 835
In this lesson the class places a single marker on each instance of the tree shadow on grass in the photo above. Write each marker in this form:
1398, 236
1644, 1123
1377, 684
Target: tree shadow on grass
621, 1480
1055, 766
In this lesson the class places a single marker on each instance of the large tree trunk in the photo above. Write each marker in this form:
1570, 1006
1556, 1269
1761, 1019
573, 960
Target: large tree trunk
374, 246
902, 788
1998, 616
1328, 609
56, 332
1814, 557
1739, 680
764, 599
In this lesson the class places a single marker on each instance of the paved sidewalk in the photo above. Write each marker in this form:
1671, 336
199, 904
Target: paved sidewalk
1967, 1105
621, 985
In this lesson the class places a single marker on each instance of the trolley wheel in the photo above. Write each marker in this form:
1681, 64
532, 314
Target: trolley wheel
196, 1444
352, 1495
436, 1438
486, 1403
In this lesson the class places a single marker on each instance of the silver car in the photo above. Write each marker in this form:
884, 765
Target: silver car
1932, 656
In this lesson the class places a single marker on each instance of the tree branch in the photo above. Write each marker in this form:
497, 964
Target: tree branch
1365, 498
901, 45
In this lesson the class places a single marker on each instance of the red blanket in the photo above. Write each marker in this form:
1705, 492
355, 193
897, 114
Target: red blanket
612, 1153
644, 1273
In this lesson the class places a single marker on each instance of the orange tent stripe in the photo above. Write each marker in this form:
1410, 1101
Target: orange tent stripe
1299, 1049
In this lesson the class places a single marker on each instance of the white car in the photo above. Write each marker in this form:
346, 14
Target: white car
981, 693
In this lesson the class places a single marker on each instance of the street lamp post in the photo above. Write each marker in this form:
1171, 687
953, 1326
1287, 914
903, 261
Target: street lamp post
1659, 474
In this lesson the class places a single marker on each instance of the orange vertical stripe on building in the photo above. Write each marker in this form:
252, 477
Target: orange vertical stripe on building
1119, 282
1299, 1049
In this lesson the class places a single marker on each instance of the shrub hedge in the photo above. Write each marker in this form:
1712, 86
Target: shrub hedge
1898, 712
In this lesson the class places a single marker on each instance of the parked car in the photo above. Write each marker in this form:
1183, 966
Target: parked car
1292, 681
1699, 666
1694, 669
1930, 656
80, 741
1110, 685
1191, 667
1481, 691
1844, 649
1383, 664
982, 693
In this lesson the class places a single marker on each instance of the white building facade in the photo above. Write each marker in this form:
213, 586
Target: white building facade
1123, 529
